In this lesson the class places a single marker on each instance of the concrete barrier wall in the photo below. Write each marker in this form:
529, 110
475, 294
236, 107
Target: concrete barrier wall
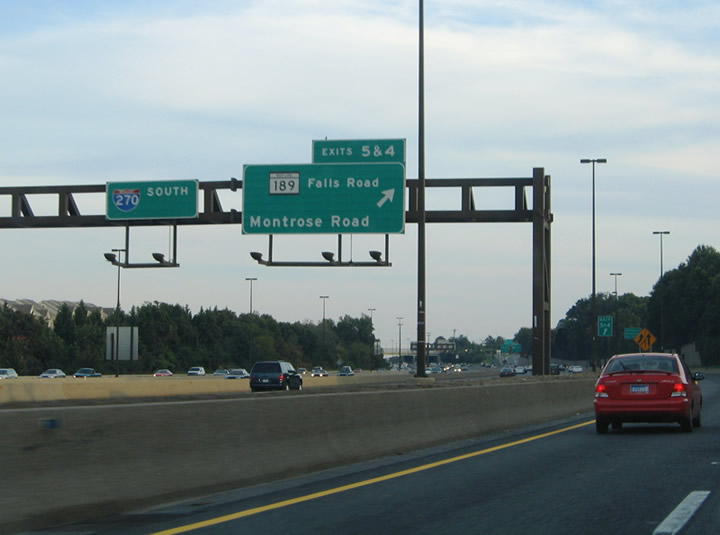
33, 389
61, 463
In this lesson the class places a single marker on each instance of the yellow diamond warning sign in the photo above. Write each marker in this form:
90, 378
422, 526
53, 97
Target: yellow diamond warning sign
645, 339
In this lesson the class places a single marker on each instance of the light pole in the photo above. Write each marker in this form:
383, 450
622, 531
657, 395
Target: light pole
251, 279
593, 161
399, 318
116, 257
421, 278
323, 297
616, 275
661, 233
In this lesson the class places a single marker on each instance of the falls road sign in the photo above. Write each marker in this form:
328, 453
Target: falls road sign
347, 198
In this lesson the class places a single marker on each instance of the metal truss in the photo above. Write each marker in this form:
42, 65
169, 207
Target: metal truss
68, 215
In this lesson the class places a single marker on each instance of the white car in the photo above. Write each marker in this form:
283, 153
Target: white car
8, 373
52, 373
196, 370
238, 373
575, 369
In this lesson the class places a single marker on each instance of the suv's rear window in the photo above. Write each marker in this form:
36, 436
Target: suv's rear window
266, 367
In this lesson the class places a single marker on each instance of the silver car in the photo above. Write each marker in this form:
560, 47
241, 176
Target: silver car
8, 373
52, 373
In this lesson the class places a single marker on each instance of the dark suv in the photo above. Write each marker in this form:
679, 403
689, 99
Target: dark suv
274, 375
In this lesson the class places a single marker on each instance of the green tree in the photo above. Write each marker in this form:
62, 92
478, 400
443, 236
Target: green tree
524, 337
64, 325
684, 305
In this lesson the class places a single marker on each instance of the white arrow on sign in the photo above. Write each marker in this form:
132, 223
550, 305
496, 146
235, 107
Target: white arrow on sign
388, 195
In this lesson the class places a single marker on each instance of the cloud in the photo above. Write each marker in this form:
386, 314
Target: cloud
129, 91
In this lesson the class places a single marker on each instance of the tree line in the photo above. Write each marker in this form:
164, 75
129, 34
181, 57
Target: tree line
171, 337
683, 307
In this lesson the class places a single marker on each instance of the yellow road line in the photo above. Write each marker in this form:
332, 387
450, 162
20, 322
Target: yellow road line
336, 490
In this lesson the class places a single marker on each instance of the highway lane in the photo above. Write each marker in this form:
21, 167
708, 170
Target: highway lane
556, 479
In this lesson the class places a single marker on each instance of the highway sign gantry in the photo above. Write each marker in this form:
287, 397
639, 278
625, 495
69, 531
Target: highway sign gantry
167, 199
341, 198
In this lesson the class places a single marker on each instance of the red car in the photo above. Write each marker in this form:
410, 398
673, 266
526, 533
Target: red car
647, 387
162, 373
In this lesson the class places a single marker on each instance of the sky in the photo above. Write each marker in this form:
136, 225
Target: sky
97, 92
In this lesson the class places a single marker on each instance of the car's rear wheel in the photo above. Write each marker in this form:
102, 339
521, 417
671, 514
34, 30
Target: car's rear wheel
697, 421
687, 423
601, 426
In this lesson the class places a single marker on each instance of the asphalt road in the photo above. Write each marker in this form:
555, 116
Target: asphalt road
561, 478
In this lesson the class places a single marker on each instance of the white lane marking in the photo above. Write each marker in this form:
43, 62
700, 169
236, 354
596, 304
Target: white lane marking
676, 520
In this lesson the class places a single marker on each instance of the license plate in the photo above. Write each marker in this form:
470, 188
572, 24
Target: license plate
639, 389
264, 380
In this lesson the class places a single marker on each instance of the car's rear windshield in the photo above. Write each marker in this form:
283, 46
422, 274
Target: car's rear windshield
266, 367
630, 364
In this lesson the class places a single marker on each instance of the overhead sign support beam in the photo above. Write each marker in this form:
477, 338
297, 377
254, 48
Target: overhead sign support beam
330, 260
69, 215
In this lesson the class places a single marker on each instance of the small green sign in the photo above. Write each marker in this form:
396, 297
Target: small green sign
358, 150
343, 198
605, 326
169, 199
631, 333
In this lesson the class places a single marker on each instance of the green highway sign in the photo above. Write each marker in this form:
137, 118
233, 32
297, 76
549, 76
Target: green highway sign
343, 198
358, 150
168, 199
605, 326
631, 333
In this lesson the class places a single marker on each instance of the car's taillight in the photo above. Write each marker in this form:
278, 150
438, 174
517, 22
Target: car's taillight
679, 391
282, 377
601, 391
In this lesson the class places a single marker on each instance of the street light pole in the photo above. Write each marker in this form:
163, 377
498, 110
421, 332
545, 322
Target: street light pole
251, 279
616, 275
593, 161
117, 313
399, 318
323, 297
661, 233
421, 278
